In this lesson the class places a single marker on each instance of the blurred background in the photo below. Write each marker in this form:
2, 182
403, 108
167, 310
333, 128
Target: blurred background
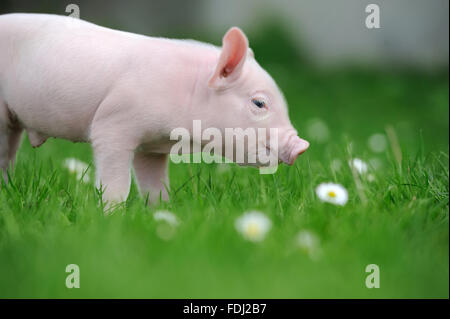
341, 79
374, 94
413, 32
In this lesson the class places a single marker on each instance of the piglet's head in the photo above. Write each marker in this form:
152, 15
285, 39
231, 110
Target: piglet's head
247, 97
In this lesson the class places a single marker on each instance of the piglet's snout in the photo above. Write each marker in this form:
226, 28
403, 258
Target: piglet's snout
295, 147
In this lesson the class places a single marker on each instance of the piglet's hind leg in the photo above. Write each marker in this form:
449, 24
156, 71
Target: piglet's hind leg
10, 134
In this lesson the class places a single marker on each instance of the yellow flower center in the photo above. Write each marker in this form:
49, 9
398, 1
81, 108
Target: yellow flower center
332, 194
253, 230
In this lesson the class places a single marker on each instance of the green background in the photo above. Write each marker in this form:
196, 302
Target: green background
48, 219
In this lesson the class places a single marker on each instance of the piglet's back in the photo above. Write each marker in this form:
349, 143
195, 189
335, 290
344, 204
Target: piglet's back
55, 70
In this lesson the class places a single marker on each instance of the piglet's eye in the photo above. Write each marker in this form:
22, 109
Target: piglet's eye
259, 103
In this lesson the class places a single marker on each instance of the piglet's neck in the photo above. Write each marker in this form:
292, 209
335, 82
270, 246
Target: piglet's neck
201, 61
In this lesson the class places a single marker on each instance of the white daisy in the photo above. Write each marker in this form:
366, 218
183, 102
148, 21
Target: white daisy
359, 165
165, 231
78, 167
332, 193
309, 242
253, 225
377, 143
317, 130
166, 216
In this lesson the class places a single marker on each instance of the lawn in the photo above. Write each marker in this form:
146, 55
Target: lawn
396, 216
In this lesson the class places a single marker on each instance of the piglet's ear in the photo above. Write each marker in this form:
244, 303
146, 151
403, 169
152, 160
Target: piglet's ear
232, 58
251, 53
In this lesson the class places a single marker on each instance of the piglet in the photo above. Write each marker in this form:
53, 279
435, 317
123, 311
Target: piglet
124, 93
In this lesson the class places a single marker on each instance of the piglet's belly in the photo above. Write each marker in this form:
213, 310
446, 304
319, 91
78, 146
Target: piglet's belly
71, 122
55, 99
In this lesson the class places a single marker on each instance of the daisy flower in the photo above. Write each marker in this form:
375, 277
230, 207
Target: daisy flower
166, 227
166, 216
253, 225
77, 167
359, 165
377, 143
309, 242
318, 130
332, 193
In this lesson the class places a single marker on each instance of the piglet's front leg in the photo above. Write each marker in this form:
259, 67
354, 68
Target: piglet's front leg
113, 139
113, 171
151, 174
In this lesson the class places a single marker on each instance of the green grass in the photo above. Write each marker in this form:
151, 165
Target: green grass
49, 220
